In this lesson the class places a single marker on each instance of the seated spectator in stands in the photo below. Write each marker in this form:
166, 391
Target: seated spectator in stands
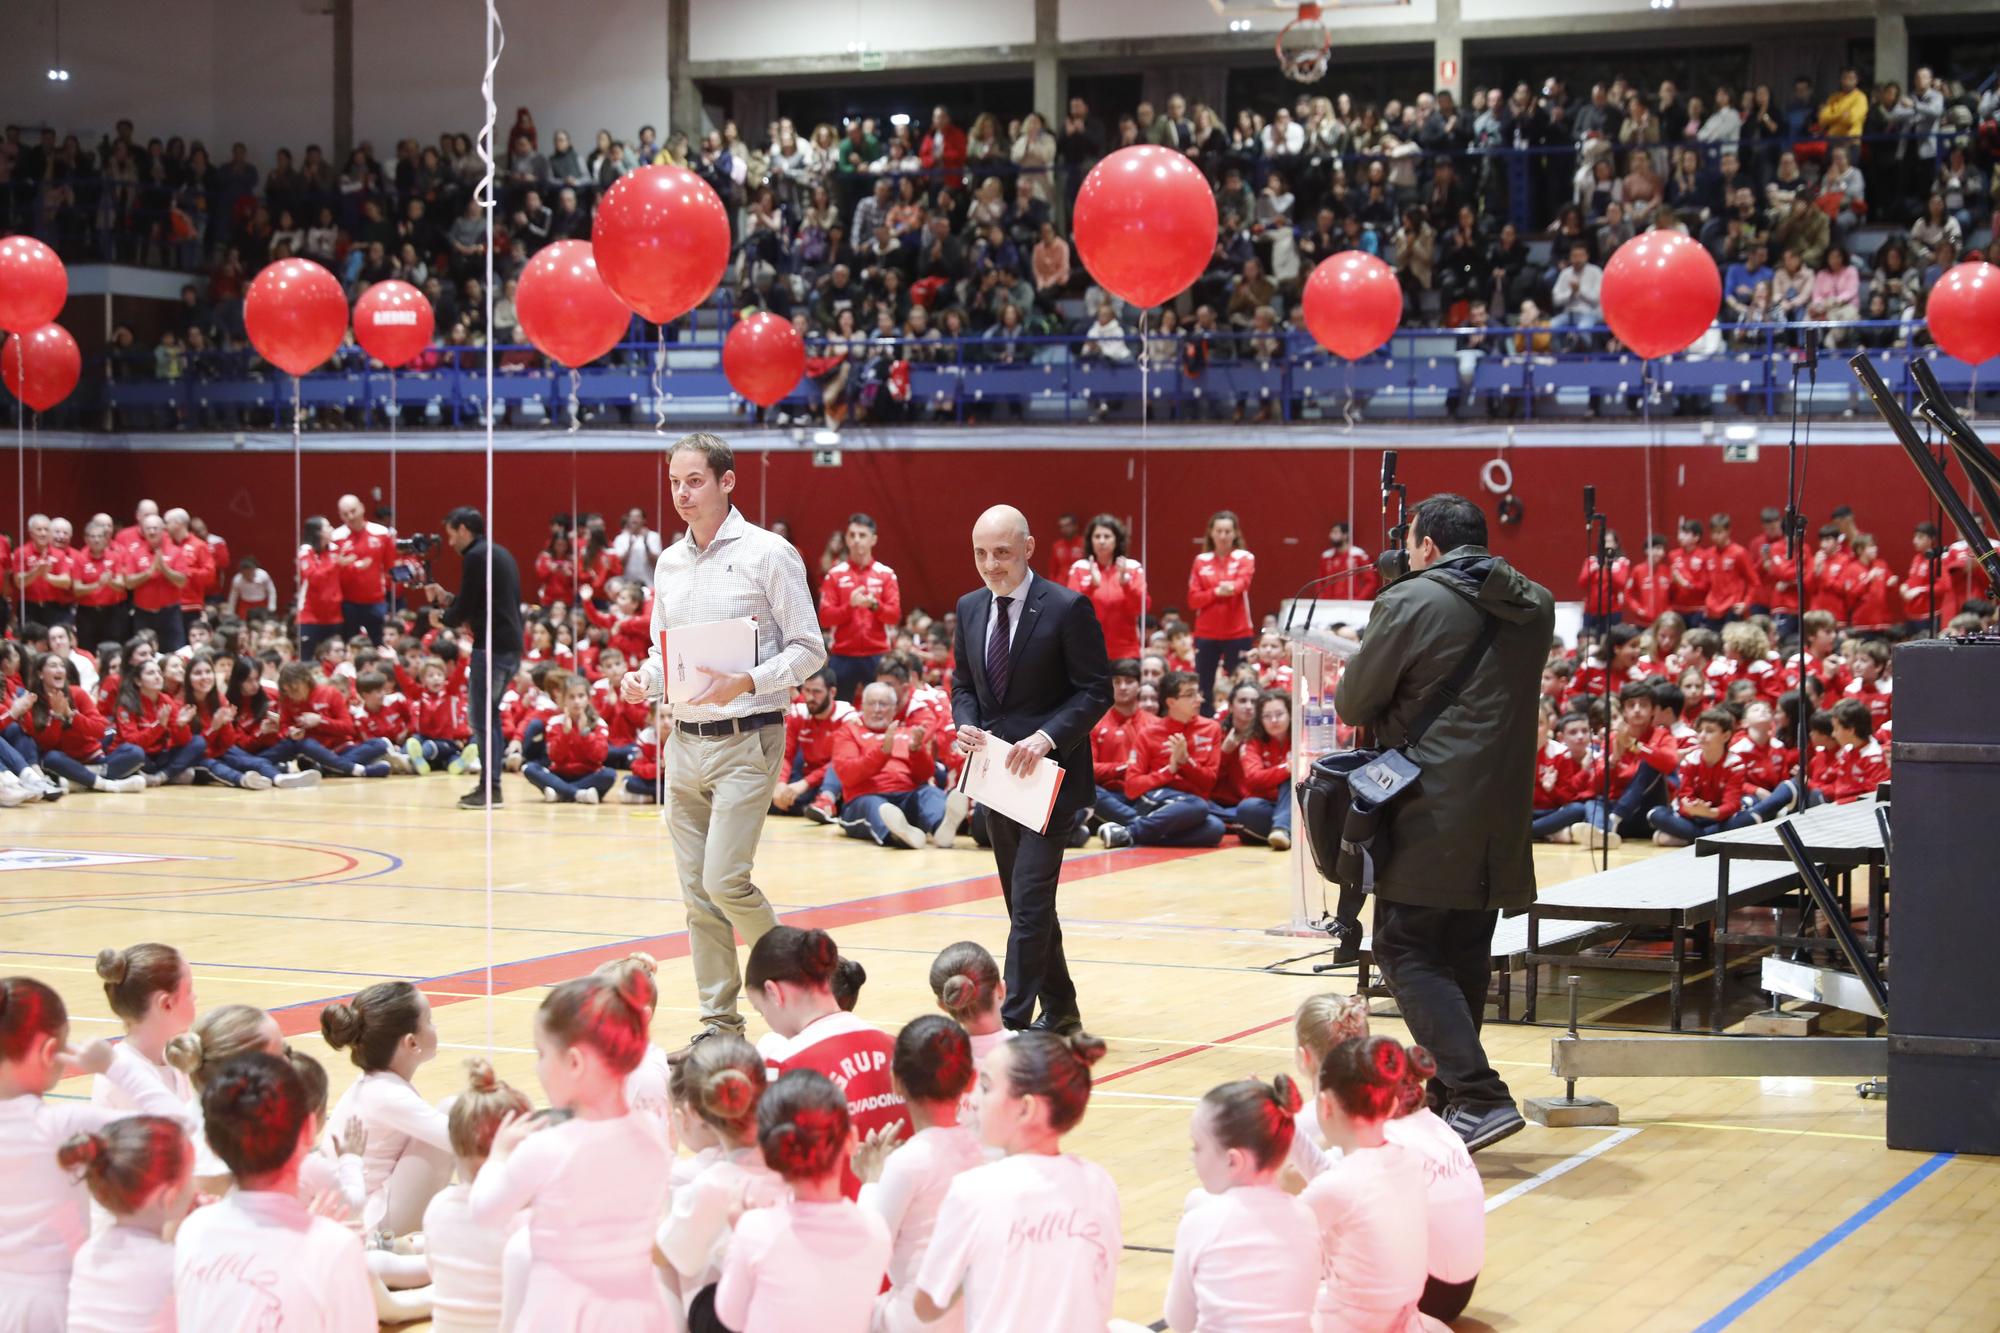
1173, 775
1836, 294
1641, 190
1233, 196
1942, 261
1791, 287
1105, 336
1413, 254
1034, 154
1578, 295
1691, 193
1936, 228
1534, 338
1962, 185
1616, 230
1250, 290
1051, 264
1741, 280
1843, 192
1804, 228
1709, 797
888, 778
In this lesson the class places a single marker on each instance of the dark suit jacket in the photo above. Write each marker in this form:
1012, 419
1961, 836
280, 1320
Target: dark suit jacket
1059, 680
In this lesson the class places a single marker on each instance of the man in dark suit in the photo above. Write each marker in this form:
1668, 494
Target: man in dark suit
1032, 672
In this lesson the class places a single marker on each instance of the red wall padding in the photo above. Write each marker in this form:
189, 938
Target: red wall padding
926, 500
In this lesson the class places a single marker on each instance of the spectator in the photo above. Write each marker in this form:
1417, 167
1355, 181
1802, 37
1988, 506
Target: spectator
1173, 770
1843, 192
944, 149
1842, 114
1935, 229
1724, 127
1578, 294
1791, 287
887, 777
1805, 229
1616, 229
1836, 294
1743, 276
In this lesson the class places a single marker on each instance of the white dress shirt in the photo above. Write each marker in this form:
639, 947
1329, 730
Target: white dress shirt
1014, 609
639, 551
744, 571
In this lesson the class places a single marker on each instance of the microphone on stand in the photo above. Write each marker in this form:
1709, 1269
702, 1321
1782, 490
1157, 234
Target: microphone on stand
1388, 470
1589, 507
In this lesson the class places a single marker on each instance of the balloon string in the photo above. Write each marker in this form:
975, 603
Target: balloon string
489, 779
1348, 412
1145, 467
21, 462
575, 407
659, 394
1646, 442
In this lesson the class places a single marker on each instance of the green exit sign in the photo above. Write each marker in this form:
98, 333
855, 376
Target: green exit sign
874, 60
1739, 453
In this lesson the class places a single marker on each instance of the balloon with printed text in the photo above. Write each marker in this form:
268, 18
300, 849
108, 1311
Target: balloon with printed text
394, 322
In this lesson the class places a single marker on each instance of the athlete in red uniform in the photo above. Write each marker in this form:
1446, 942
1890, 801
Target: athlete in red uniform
1115, 584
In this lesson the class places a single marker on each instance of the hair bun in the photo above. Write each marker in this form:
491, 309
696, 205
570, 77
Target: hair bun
340, 1024
958, 993
820, 948
633, 982
1286, 1094
184, 1052
479, 1075
1085, 1047
80, 1152
729, 1095
112, 966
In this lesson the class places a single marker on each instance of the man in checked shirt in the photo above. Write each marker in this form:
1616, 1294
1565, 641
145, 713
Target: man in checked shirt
723, 752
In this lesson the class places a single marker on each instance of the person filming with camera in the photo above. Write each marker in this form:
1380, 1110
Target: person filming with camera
1459, 843
494, 659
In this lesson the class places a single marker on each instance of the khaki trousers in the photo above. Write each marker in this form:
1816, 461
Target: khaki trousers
719, 788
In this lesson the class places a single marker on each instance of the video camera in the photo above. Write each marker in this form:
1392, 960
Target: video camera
413, 559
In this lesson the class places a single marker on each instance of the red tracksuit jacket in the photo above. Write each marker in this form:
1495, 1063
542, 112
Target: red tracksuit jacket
1874, 600
1267, 767
866, 770
813, 737
1114, 744
860, 631
336, 729
576, 752
630, 635
82, 739
1648, 589
1857, 771
1197, 776
1690, 572
156, 727
1720, 784
1877, 696
395, 721
1731, 580
1218, 617
856, 1057
1614, 585
625, 720
1658, 749
1561, 779
1764, 765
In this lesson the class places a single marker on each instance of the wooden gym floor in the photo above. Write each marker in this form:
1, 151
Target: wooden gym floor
1747, 1203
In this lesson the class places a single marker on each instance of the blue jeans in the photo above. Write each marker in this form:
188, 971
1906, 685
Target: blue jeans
177, 759
1547, 822
1665, 819
646, 787
439, 752
13, 760
829, 784
1113, 808
862, 816
1169, 818
363, 618
335, 763
233, 763
1628, 812
535, 741
620, 756
1780, 799
118, 762
1259, 816
567, 788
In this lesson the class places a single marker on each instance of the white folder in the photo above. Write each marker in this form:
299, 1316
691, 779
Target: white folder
1028, 801
720, 645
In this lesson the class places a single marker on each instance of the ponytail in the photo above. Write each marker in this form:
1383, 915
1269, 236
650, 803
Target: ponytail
1256, 1117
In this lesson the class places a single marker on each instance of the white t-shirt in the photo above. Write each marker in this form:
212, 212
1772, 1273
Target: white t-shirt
257, 1261
801, 1266
408, 1157
907, 1198
1034, 1240
695, 1235
1457, 1196
464, 1259
123, 1282
1243, 1264
1374, 1242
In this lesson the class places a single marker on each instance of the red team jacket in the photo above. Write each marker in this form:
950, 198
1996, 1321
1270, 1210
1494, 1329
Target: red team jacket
1874, 600
1197, 776
866, 770
1772, 574
1358, 587
374, 550
1731, 580
625, 720
1659, 750
1877, 696
1266, 766
156, 727
1114, 744
558, 580
1119, 598
1720, 784
1219, 617
1856, 771
39, 589
813, 737
336, 729
517, 710
1764, 765
576, 752
319, 575
630, 635
157, 592
856, 1057
87, 568
1648, 589
1828, 582
395, 721
1689, 572
860, 631
84, 736
1613, 591
1560, 779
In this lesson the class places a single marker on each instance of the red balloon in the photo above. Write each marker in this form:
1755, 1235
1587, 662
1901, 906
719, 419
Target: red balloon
1964, 312
393, 322
40, 368
564, 307
1145, 224
295, 315
764, 357
33, 284
1353, 303
1661, 292
662, 239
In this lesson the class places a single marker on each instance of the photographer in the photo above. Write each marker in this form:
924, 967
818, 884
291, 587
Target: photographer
465, 532
1459, 841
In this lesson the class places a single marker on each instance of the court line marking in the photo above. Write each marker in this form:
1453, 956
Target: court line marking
1804, 1259
360, 921
1194, 1049
339, 852
1568, 1164
1762, 1129
198, 966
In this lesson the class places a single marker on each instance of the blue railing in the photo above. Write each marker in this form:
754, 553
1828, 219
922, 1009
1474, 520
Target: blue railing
1423, 373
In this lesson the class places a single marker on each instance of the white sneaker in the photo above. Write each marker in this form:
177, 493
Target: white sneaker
156, 779
33, 775
398, 762
1562, 835
254, 781
549, 795
130, 785
309, 777
1603, 838
184, 778
1280, 840
900, 829
1115, 835
955, 806
1668, 840
12, 792
588, 796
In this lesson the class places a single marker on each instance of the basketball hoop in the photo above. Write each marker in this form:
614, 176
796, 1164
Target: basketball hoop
1305, 46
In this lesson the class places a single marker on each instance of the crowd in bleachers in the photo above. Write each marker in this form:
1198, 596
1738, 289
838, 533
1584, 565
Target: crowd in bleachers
1839, 206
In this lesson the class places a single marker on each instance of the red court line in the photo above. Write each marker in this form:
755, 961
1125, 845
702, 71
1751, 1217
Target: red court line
1196, 1049
523, 974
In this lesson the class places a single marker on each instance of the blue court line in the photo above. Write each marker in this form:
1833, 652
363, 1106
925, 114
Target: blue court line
1799, 1262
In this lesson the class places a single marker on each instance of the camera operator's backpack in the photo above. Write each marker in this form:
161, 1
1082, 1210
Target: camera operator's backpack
1347, 801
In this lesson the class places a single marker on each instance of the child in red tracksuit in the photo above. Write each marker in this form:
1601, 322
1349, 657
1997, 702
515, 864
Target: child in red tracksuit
577, 739
630, 621
383, 714
318, 728
1859, 764
625, 720
1173, 774
441, 714
1265, 812
1710, 796
1567, 775
525, 711
158, 724
1871, 683
1644, 756
1769, 765
642, 784
1874, 598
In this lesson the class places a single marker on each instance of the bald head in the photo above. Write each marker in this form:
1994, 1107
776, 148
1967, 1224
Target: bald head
351, 512
1001, 547
145, 509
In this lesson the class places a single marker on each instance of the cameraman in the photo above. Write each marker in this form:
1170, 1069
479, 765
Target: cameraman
465, 531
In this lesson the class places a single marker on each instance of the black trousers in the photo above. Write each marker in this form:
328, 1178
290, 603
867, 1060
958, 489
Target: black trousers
486, 712
166, 623
1030, 866
102, 624
1217, 655
46, 614
1438, 961
851, 675
363, 618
